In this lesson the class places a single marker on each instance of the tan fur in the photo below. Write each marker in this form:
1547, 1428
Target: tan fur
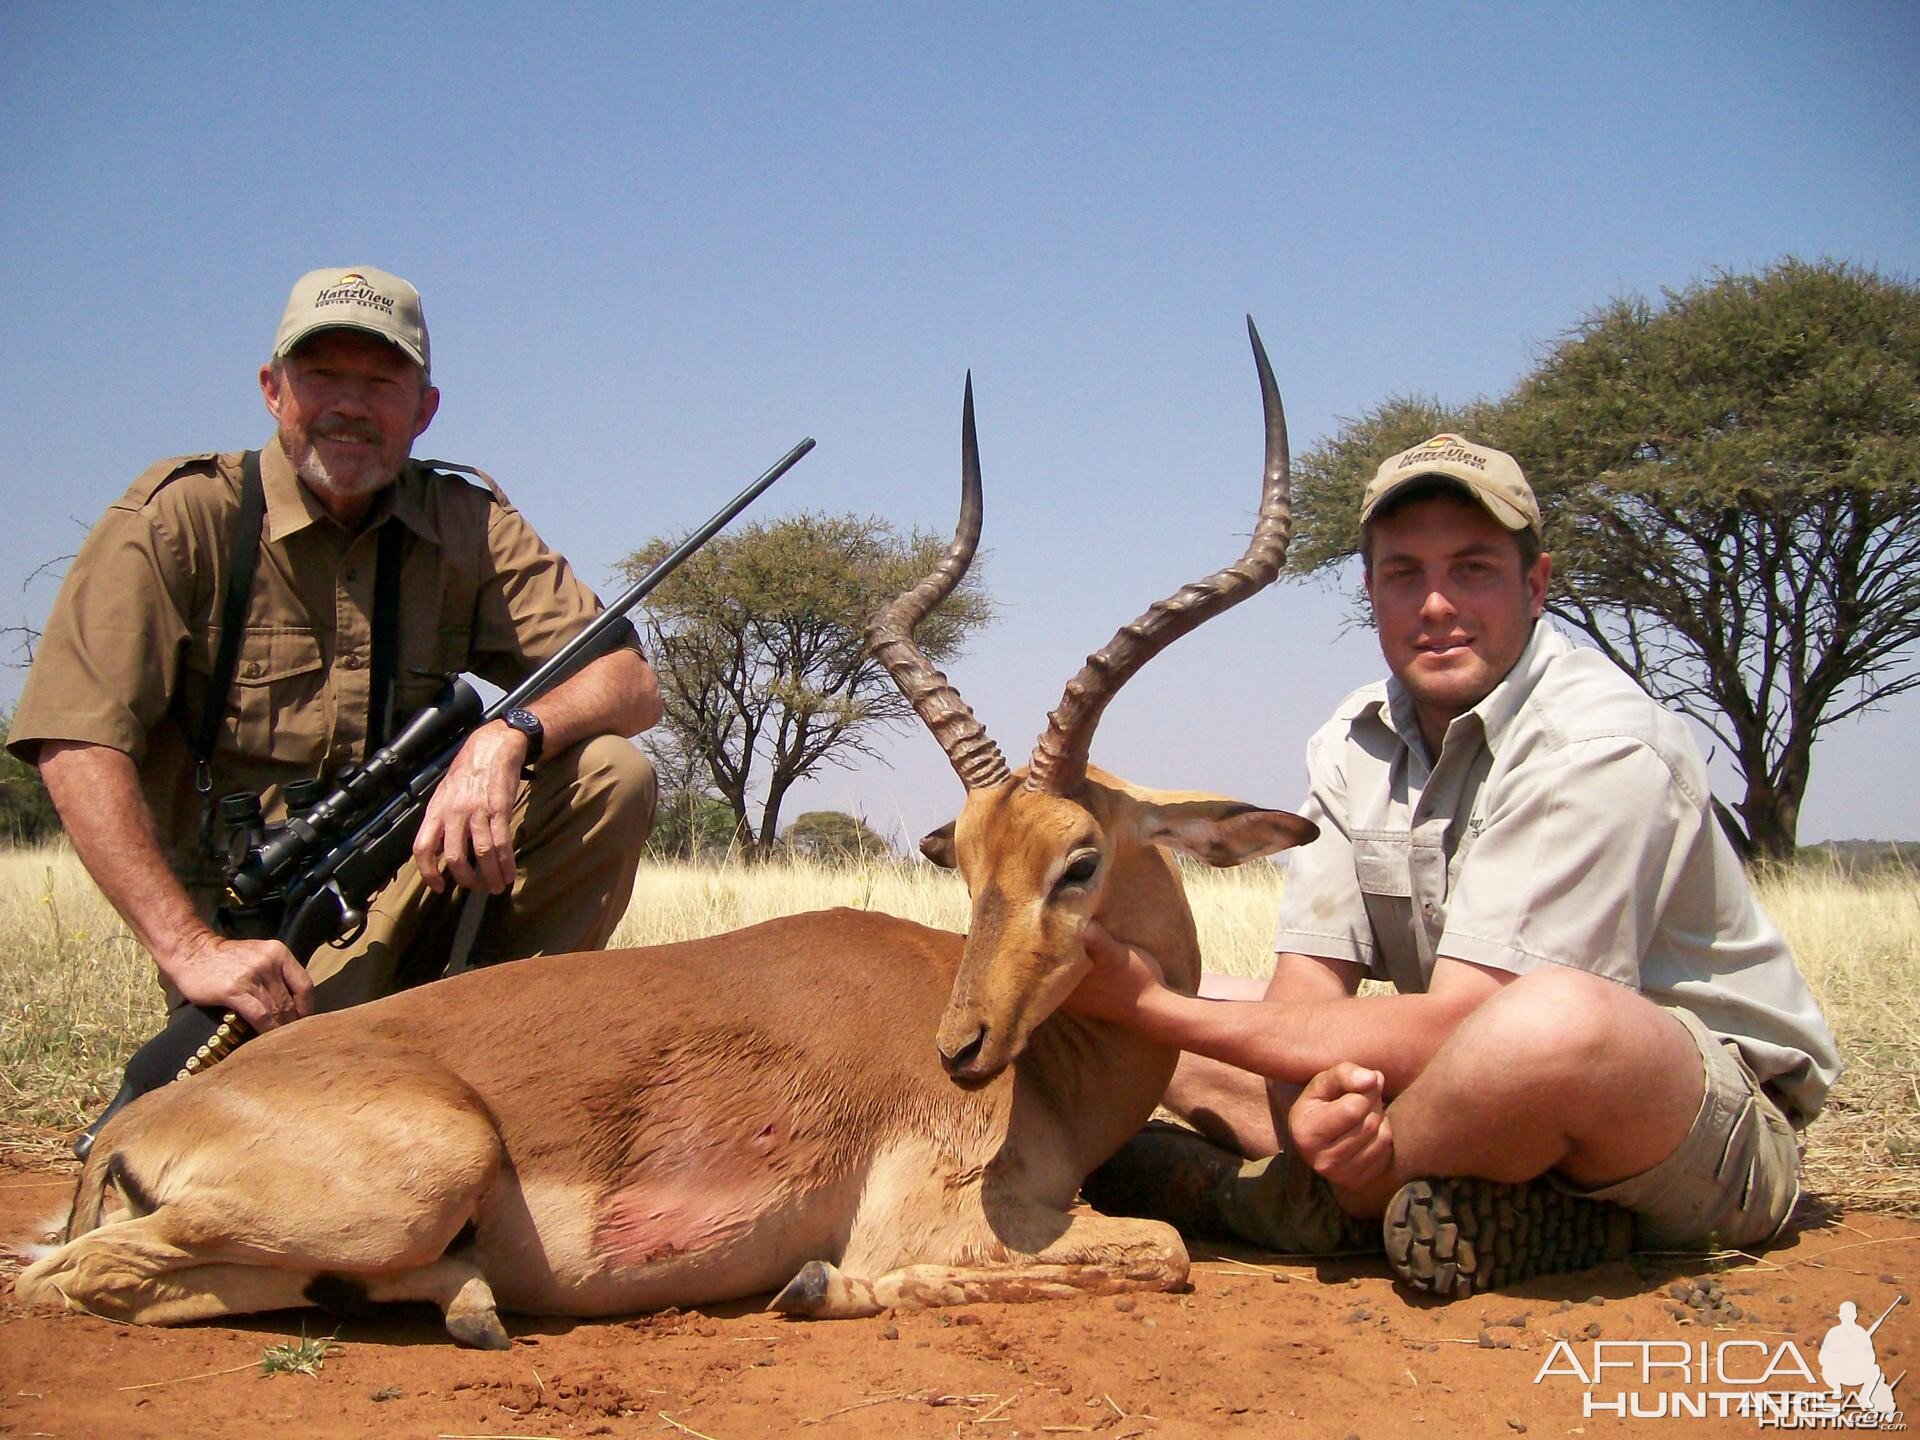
676, 1125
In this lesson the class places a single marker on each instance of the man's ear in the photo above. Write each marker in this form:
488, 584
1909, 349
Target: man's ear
429, 407
1223, 832
937, 846
270, 382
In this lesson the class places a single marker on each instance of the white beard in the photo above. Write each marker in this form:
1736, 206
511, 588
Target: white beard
308, 465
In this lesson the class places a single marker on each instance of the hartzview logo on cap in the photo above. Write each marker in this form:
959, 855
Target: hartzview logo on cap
357, 299
1444, 447
1490, 476
354, 289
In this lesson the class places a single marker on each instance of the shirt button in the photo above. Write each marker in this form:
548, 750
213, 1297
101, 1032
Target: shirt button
353, 573
351, 662
254, 669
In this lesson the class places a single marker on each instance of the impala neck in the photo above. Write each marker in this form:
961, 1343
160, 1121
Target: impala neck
1104, 1081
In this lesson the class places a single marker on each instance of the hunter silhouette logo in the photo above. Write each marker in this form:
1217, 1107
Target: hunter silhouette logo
1848, 1365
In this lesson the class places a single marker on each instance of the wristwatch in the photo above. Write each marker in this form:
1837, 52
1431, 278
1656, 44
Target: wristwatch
528, 724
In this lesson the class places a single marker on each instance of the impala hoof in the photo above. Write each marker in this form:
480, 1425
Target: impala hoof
479, 1330
806, 1293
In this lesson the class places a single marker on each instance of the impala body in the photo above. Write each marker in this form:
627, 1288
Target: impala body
861, 1110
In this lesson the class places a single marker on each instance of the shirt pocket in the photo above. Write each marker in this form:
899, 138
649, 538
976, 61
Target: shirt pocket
1381, 867
278, 711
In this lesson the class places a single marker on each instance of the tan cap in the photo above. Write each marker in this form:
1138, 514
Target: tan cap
360, 298
1493, 476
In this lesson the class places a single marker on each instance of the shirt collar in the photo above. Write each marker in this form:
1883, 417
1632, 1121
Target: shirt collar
1499, 710
291, 507
1495, 714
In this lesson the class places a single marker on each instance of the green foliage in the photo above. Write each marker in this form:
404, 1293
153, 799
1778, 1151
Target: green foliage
835, 838
26, 810
1329, 479
1730, 489
302, 1357
690, 825
760, 644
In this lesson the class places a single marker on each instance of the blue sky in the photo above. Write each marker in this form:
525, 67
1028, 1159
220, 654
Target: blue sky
658, 244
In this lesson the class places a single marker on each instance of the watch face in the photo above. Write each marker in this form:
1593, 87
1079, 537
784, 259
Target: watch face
528, 724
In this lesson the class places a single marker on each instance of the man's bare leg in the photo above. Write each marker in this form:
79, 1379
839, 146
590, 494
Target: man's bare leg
1559, 1071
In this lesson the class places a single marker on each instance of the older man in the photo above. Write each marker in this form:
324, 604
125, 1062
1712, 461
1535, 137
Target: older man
372, 575
1593, 1017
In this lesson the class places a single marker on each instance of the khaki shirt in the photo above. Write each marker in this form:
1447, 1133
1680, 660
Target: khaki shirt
137, 621
1567, 822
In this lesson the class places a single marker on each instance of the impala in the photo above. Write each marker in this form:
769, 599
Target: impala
681, 1124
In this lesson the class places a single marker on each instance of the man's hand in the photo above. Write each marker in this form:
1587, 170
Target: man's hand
259, 980
467, 831
1122, 976
1339, 1126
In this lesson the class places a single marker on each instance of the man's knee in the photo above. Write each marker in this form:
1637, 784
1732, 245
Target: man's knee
615, 777
1559, 1023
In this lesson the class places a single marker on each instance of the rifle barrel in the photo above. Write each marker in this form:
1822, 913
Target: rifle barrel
644, 586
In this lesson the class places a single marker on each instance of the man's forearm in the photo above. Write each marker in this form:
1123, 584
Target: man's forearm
616, 694
1291, 1043
97, 792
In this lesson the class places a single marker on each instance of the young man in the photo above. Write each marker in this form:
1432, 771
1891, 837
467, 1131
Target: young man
125, 677
1592, 1014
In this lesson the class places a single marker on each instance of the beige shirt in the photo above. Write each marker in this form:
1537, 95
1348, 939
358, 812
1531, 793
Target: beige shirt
137, 621
1567, 821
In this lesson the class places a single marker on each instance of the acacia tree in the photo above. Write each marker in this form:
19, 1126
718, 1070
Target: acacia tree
759, 641
834, 837
1730, 484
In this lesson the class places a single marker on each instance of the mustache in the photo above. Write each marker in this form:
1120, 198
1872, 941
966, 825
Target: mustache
346, 430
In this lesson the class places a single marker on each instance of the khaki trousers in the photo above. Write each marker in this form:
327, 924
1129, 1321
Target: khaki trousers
579, 825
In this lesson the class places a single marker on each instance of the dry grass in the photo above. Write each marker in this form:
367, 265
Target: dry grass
76, 994
1858, 941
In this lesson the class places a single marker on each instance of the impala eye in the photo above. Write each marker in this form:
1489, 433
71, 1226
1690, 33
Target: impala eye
1080, 870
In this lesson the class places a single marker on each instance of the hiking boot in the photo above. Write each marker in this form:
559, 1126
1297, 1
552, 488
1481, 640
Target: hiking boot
1459, 1236
1169, 1173
1166, 1172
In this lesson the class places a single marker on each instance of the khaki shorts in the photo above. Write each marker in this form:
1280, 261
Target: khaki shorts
1734, 1180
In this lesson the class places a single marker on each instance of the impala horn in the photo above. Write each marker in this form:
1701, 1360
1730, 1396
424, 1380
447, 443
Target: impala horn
974, 756
1060, 755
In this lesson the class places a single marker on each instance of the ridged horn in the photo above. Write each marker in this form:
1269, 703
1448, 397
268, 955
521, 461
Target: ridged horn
974, 756
1060, 755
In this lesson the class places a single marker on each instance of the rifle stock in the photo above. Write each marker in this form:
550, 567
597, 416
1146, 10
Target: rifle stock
308, 883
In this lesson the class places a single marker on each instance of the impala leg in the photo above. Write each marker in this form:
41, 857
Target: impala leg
455, 1285
235, 1222
140, 1272
1094, 1255
135, 1273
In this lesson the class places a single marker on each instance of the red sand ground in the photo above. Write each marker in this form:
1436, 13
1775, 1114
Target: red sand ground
1254, 1348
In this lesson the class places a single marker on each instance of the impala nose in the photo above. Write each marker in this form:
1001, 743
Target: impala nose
957, 1062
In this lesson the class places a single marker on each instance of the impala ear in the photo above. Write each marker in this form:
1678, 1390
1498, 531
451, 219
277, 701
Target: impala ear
937, 846
1223, 832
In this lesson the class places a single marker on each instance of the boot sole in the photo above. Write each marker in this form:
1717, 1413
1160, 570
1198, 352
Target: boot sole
1458, 1236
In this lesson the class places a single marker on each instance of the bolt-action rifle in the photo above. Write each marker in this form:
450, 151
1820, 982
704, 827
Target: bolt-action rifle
307, 880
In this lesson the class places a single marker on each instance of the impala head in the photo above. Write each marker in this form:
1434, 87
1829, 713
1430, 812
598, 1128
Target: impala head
1047, 848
